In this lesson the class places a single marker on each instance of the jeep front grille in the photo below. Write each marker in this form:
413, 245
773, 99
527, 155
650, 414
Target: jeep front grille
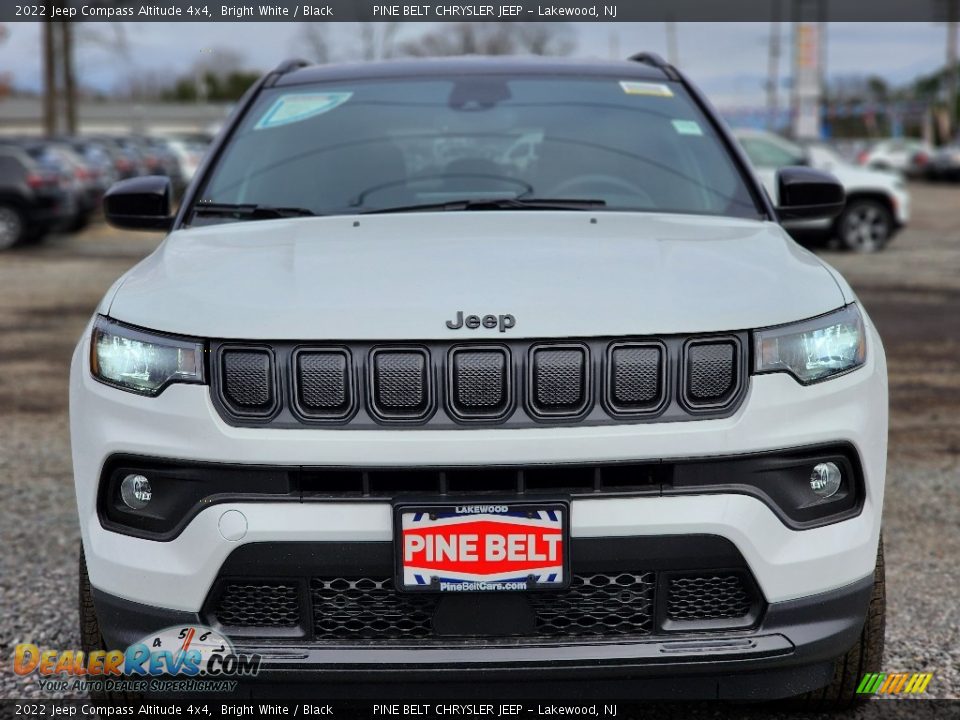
516, 383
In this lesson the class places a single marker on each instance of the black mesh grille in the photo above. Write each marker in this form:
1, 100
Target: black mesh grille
323, 383
248, 380
559, 381
515, 383
480, 382
258, 605
707, 597
368, 609
636, 377
401, 384
711, 372
600, 605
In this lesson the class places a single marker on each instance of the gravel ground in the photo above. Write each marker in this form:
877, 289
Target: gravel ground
912, 291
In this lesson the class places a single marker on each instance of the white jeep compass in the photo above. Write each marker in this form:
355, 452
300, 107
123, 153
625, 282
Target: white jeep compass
498, 370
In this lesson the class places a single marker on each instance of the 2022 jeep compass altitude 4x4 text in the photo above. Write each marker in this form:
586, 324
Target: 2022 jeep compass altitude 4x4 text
496, 370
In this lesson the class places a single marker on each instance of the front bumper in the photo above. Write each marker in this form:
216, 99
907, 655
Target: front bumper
790, 652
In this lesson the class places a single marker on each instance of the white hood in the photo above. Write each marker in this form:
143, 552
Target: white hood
402, 276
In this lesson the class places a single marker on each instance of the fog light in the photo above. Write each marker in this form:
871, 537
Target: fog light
135, 492
825, 479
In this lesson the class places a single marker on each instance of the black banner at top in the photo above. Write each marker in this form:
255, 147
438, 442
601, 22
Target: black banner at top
484, 11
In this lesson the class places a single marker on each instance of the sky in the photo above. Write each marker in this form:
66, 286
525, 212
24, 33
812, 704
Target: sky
727, 60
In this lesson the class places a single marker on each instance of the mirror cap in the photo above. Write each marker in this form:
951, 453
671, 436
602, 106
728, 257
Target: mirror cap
140, 203
808, 194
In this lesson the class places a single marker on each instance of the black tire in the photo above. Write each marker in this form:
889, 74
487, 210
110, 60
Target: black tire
90, 636
864, 657
866, 225
13, 226
79, 222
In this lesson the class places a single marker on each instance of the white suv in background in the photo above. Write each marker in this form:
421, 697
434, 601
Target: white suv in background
878, 204
395, 403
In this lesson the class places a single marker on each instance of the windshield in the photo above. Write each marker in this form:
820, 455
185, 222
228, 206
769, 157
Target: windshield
375, 146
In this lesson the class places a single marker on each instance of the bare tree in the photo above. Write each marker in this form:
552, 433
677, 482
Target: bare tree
542, 38
470, 38
378, 40
315, 39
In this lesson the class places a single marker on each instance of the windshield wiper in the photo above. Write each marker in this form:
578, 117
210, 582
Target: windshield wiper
250, 211
496, 204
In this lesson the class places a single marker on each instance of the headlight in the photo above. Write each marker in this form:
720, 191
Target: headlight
142, 362
814, 349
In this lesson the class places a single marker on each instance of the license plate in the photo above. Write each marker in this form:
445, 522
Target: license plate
482, 547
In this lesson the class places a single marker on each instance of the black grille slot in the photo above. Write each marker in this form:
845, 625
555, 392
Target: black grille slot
401, 384
711, 373
598, 605
636, 378
368, 609
559, 380
708, 597
323, 383
247, 381
258, 605
480, 382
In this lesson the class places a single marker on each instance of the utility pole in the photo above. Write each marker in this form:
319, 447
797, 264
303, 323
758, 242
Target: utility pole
49, 77
773, 68
953, 65
673, 53
69, 82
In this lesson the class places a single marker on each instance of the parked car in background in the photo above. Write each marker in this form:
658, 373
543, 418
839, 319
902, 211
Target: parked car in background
878, 204
33, 199
101, 159
906, 155
127, 160
945, 163
189, 153
59, 158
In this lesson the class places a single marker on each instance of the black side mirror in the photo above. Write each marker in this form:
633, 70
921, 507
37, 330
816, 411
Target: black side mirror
808, 194
140, 203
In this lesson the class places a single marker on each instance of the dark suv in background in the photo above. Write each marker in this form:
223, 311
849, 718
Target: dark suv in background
33, 199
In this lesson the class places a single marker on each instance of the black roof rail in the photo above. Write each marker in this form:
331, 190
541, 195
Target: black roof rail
291, 65
654, 60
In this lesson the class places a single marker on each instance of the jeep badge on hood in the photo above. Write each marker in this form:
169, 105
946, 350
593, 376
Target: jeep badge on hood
504, 322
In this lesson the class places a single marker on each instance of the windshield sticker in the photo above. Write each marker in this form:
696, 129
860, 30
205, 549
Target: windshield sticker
646, 88
687, 127
294, 108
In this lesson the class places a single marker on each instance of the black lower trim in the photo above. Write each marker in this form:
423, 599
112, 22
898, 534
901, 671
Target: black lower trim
790, 652
778, 478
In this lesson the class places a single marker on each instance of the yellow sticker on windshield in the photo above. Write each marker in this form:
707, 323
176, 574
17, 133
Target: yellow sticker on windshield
300, 106
631, 87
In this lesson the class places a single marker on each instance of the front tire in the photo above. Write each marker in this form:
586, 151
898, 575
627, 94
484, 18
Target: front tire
864, 657
90, 636
13, 226
865, 226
